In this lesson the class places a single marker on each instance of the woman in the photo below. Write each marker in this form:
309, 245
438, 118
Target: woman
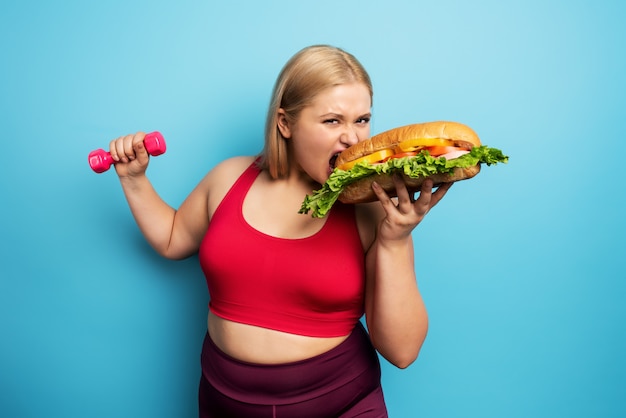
287, 290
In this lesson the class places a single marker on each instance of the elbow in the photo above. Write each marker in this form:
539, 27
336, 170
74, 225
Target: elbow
401, 353
401, 357
403, 360
171, 255
176, 256
173, 252
402, 344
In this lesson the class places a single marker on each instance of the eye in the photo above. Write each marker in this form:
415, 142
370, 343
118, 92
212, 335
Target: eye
331, 121
363, 120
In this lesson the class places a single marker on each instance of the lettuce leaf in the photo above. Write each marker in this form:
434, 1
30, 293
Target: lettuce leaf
421, 165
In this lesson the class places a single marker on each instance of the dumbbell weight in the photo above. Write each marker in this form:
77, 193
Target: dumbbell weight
101, 160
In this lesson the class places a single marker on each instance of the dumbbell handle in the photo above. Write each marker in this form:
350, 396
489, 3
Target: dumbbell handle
101, 160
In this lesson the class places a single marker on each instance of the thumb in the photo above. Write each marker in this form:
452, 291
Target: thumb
141, 154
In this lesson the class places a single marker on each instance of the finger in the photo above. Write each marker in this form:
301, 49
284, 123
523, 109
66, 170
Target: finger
440, 193
423, 202
134, 145
116, 149
383, 197
129, 146
405, 199
139, 148
125, 149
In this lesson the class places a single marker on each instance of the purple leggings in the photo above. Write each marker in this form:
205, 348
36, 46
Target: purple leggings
343, 382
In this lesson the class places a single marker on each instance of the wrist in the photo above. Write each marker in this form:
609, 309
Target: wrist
133, 181
396, 244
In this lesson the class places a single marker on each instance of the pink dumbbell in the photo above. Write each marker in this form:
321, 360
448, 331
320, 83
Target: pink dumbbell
101, 160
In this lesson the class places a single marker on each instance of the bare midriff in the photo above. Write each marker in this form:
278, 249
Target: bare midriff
258, 345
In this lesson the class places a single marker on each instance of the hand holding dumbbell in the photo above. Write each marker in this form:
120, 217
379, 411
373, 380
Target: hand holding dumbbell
101, 160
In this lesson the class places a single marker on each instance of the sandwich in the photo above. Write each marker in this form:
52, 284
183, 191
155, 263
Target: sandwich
442, 151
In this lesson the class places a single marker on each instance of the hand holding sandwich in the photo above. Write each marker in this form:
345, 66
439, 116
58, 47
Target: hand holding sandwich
405, 214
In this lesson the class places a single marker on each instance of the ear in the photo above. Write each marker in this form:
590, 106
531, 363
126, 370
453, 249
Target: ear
283, 124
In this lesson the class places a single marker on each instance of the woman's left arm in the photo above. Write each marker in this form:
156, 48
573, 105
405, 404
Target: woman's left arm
395, 313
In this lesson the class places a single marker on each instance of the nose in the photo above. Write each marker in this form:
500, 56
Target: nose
349, 136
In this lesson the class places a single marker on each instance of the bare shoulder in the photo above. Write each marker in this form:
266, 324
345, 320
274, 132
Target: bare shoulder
368, 216
221, 178
229, 168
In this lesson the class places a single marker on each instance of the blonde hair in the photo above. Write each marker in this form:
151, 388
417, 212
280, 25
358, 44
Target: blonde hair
304, 76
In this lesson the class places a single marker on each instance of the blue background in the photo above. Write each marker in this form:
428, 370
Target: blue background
522, 268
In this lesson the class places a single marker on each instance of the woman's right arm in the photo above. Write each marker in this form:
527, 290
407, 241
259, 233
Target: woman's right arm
174, 234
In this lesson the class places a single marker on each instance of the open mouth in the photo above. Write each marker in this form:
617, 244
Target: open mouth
333, 161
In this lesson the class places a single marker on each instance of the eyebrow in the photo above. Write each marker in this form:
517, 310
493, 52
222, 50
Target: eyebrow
340, 116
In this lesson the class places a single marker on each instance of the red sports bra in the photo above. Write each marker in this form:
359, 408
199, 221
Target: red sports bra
311, 286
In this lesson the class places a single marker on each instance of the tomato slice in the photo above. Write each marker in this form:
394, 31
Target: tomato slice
372, 158
418, 143
437, 151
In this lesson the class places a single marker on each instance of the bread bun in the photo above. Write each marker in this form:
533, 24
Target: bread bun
361, 191
462, 135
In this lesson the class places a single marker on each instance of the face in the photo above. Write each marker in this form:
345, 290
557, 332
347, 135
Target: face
337, 118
